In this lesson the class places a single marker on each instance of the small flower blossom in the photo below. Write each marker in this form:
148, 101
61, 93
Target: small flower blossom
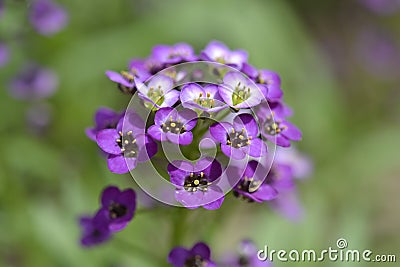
195, 183
174, 54
126, 146
104, 118
120, 206
4, 54
173, 125
33, 82
251, 186
239, 92
240, 138
159, 92
47, 17
205, 99
246, 257
219, 52
279, 131
95, 230
198, 256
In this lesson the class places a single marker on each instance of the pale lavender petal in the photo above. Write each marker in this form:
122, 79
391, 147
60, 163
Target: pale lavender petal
219, 131
257, 148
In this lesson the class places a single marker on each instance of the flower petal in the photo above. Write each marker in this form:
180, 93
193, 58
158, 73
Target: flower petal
107, 141
119, 164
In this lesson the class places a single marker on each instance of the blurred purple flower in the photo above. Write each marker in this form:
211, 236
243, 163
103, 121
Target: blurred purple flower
194, 183
301, 164
173, 54
240, 92
174, 126
95, 230
240, 138
382, 7
198, 256
204, 98
127, 144
104, 118
4, 53
246, 257
120, 206
219, 52
251, 186
38, 118
33, 82
47, 17
378, 53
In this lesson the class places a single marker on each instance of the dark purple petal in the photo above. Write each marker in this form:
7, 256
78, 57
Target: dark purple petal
214, 205
291, 131
178, 170
257, 148
109, 195
247, 122
157, 133
119, 164
178, 256
219, 131
213, 169
265, 193
188, 117
202, 250
164, 114
106, 140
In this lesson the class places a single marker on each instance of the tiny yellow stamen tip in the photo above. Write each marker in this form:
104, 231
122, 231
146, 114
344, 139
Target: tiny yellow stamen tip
201, 174
196, 182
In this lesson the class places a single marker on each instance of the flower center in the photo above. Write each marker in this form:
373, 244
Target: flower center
128, 145
117, 210
196, 261
247, 185
238, 139
173, 126
196, 181
272, 127
129, 78
244, 261
156, 94
206, 101
240, 94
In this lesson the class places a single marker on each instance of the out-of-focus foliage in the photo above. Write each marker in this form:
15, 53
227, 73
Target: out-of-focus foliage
47, 181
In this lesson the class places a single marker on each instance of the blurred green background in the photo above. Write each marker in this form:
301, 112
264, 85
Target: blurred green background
349, 118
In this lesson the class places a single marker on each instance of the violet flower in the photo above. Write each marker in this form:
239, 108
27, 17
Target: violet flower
204, 98
279, 131
47, 17
95, 230
219, 52
246, 257
33, 82
382, 7
4, 54
251, 186
240, 92
240, 138
120, 206
126, 146
173, 125
198, 256
173, 54
195, 185
159, 92
104, 118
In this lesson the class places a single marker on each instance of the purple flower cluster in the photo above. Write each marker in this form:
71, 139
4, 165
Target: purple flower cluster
241, 112
116, 211
200, 256
47, 17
